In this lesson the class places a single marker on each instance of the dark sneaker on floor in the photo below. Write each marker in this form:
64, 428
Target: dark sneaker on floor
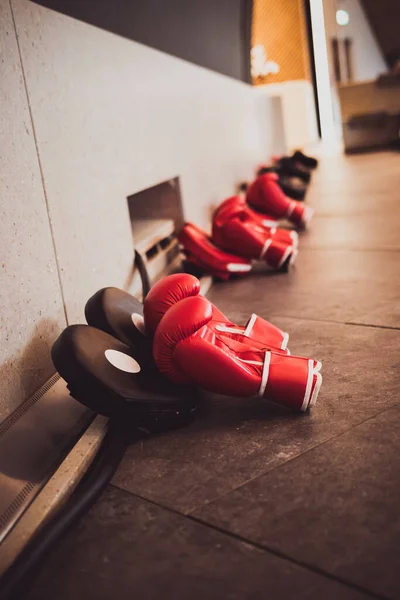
297, 192
289, 167
308, 161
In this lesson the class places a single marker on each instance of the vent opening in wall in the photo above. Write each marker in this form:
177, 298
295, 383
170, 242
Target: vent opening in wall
156, 216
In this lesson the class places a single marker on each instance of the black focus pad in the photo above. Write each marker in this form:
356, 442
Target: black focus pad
118, 313
113, 379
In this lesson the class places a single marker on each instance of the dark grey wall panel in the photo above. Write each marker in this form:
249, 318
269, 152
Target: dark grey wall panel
211, 33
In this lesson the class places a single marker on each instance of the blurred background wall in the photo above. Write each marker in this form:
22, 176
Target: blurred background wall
366, 59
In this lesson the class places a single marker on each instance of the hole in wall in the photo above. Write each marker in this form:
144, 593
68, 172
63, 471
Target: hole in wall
156, 216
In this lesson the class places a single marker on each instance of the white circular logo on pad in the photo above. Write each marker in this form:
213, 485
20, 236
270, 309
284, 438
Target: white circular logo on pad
138, 322
122, 361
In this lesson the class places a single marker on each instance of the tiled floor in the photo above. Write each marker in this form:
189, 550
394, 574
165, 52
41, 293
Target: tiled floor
251, 501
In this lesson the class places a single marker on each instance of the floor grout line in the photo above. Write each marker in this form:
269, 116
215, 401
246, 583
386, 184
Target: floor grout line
302, 249
272, 469
258, 545
371, 325
299, 563
353, 323
295, 457
191, 516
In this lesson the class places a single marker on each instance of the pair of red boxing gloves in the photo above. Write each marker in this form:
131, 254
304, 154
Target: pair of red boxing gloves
245, 229
239, 229
266, 196
194, 343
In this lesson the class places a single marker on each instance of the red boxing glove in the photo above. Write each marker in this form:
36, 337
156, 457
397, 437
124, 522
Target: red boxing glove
188, 348
164, 294
265, 195
174, 288
237, 228
201, 252
289, 235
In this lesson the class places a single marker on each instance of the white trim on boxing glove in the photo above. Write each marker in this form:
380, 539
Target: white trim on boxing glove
307, 401
307, 215
247, 333
287, 252
318, 384
265, 374
250, 325
226, 329
285, 341
291, 208
269, 223
265, 247
238, 268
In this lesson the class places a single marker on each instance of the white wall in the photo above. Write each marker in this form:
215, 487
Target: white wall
31, 311
298, 126
111, 117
